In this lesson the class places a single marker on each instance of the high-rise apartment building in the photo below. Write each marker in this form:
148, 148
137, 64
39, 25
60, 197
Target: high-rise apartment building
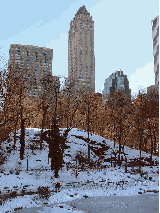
34, 65
116, 81
155, 37
81, 60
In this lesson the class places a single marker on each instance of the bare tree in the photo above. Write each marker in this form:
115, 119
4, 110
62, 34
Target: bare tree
119, 102
69, 105
19, 105
88, 108
45, 100
140, 120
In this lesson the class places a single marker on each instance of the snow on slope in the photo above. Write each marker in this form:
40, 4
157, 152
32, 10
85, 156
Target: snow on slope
40, 174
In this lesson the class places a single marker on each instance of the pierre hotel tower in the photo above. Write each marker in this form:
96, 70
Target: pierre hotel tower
81, 60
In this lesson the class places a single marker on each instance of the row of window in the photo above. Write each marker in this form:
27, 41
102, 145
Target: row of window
156, 55
155, 38
85, 26
20, 60
17, 52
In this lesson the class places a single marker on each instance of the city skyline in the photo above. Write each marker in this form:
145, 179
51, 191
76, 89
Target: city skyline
123, 36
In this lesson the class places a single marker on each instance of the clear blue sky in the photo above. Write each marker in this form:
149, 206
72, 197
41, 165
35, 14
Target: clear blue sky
122, 37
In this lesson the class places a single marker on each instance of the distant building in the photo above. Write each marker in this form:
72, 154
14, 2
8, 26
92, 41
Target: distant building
98, 94
81, 60
155, 37
34, 65
153, 89
116, 81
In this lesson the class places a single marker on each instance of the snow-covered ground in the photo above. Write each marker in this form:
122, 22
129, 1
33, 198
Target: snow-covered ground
91, 183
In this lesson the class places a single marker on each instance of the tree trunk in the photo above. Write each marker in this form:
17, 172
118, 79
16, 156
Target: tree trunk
119, 156
151, 148
141, 135
41, 139
155, 145
15, 130
22, 139
115, 135
140, 148
56, 173
145, 143
88, 135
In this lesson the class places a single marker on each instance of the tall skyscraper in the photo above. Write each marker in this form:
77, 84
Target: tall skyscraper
33, 64
155, 37
116, 81
81, 60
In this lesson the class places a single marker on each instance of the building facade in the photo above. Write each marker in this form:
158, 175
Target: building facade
153, 89
155, 37
81, 59
34, 65
116, 81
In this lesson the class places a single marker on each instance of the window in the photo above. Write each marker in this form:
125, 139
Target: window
27, 53
18, 50
45, 60
36, 55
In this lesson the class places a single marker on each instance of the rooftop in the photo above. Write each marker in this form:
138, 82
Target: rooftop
29, 46
82, 10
